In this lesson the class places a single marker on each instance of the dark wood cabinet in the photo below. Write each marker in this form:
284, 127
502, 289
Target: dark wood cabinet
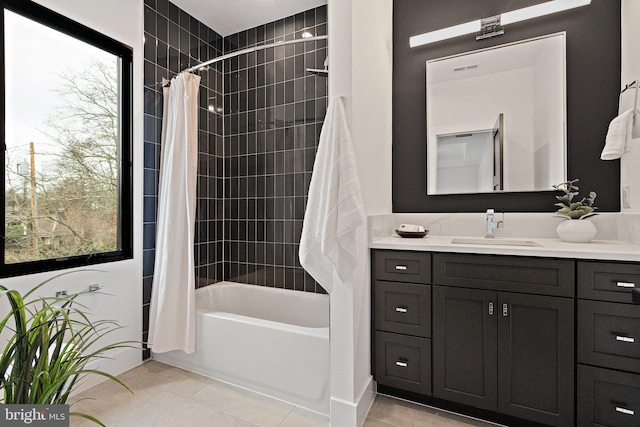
402, 266
608, 344
404, 308
609, 335
607, 281
541, 276
401, 310
403, 362
516, 336
608, 398
504, 352
536, 358
465, 339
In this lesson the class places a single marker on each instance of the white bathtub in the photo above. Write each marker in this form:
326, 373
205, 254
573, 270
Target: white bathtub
272, 341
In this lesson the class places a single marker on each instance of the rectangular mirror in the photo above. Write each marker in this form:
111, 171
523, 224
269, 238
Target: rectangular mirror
496, 118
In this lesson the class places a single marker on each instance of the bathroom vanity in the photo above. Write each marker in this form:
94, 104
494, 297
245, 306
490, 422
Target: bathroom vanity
543, 331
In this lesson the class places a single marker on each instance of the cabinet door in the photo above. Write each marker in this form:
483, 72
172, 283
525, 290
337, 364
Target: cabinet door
464, 346
536, 358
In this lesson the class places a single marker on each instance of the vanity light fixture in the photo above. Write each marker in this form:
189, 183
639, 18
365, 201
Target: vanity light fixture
493, 25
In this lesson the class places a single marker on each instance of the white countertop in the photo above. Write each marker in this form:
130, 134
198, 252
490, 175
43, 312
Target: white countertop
554, 248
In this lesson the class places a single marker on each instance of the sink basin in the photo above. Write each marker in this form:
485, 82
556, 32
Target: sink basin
496, 241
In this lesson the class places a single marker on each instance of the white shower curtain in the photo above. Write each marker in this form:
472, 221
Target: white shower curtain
172, 311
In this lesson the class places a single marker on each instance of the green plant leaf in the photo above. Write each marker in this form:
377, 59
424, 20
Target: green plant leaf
50, 342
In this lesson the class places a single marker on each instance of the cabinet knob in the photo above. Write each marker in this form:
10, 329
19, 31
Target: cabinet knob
401, 309
625, 411
490, 309
505, 310
625, 339
401, 267
625, 285
402, 364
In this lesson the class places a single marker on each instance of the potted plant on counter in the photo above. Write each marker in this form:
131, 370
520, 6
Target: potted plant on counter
578, 229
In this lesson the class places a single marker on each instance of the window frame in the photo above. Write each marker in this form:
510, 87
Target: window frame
58, 22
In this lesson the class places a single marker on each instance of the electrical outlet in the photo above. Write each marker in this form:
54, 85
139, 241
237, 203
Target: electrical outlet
626, 196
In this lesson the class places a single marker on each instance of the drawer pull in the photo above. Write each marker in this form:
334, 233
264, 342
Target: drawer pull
490, 309
625, 339
625, 411
625, 285
402, 364
401, 267
401, 309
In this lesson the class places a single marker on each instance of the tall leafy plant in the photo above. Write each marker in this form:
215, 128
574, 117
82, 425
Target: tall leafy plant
52, 341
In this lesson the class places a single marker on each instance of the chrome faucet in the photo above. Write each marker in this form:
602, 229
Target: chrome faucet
491, 224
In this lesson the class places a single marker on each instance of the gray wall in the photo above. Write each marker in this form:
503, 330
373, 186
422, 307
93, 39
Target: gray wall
593, 85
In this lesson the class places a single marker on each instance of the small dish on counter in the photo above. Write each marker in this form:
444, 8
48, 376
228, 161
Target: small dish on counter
412, 234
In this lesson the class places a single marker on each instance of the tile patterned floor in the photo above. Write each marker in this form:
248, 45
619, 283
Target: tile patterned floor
168, 396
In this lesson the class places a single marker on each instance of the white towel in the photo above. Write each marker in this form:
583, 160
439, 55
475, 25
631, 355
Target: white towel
618, 136
329, 241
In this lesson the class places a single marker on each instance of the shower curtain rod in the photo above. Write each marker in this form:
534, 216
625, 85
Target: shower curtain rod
253, 49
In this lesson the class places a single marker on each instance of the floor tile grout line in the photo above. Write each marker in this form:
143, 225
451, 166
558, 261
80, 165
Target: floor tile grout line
436, 410
287, 416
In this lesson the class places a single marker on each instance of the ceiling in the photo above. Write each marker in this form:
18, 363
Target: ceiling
231, 16
497, 59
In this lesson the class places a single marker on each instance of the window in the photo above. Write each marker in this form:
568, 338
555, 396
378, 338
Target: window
66, 128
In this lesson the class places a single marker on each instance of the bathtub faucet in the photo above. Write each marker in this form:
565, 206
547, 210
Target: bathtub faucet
491, 224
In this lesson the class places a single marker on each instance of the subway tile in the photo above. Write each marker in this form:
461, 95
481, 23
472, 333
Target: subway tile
162, 54
145, 317
149, 74
149, 209
269, 151
183, 19
150, 48
162, 28
150, 25
174, 13
162, 6
149, 236
147, 283
148, 258
174, 60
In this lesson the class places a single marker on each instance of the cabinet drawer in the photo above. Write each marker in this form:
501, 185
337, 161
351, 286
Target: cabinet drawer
542, 276
607, 281
608, 398
403, 362
402, 266
609, 335
403, 308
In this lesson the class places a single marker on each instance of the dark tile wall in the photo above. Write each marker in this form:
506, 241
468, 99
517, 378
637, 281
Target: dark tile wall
273, 115
174, 41
259, 123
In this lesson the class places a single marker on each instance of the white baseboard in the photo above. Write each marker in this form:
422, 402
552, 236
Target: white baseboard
353, 414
